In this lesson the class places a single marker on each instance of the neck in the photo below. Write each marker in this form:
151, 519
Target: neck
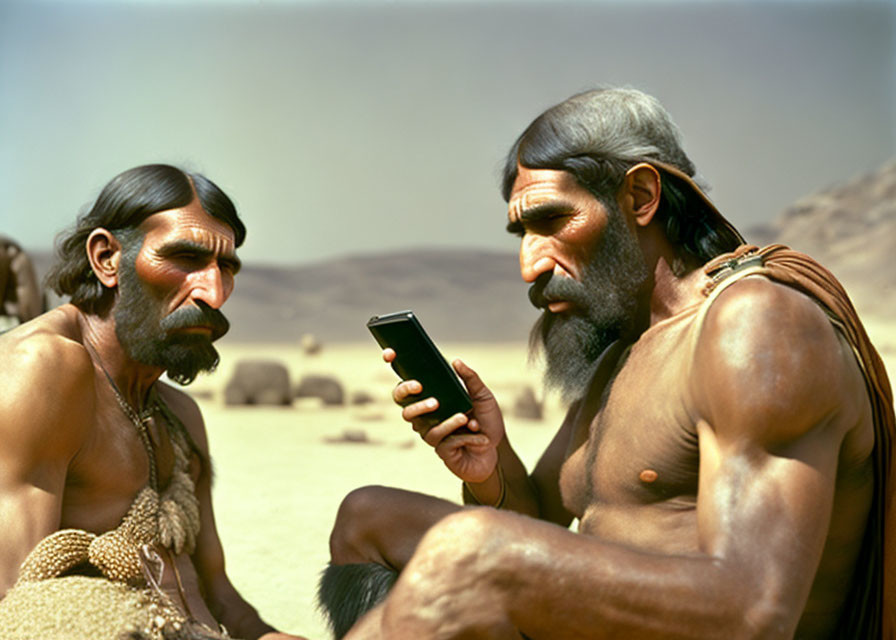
670, 292
133, 379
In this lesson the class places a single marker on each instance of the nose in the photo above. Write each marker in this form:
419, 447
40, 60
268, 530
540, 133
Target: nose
534, 260
211, 287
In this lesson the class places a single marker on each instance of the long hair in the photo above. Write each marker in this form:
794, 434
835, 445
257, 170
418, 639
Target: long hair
597, 136
125, 202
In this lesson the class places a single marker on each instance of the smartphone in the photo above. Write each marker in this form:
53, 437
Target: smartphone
418, 358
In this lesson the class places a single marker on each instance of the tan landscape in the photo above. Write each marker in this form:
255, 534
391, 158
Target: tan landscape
279, 475
281, 472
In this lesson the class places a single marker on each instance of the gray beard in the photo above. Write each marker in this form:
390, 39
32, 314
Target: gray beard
606, 308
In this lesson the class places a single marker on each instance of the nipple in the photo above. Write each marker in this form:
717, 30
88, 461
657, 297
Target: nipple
648, 476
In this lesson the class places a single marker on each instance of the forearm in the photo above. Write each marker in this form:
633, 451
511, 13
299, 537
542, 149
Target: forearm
225, 603
250, 629
610, 591
242, 621
239, 617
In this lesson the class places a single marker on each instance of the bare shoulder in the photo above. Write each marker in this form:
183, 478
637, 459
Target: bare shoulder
768, 360
47, 379
45, 348
186, 409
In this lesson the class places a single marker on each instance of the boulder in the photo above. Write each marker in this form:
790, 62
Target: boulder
360, 398
264, 382
327, 388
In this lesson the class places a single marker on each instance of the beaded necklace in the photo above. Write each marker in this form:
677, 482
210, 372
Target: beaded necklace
176, 512
168, 521
140, 420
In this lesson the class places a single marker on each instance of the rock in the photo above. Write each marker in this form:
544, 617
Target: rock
327, 388
527, 406
351, 436
310, 344
359, 398
264, 382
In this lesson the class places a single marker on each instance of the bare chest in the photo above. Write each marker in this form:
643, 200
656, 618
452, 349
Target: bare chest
112, 467
631, 473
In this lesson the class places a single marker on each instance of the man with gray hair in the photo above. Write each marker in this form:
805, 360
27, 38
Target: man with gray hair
726, 453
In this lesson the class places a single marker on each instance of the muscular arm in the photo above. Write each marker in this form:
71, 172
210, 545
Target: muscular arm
768, 462
222, 598
45, 411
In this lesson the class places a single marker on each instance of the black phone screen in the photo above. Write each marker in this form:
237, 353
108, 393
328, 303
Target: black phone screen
418, 358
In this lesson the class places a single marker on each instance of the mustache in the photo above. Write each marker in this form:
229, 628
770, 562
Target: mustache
194, 316
549, 288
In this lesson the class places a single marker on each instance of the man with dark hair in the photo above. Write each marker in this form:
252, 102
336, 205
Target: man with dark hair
105, 481
726, 452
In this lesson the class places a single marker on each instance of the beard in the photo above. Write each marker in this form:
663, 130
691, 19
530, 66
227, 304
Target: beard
604, 309
151, 338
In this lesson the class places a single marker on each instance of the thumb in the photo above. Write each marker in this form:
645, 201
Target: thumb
477, 389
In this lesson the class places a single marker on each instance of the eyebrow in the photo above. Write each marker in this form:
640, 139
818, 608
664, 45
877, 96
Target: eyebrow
189, 246
539, 212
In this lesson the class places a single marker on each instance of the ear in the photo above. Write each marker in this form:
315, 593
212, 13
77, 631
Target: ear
640, 193
104, 254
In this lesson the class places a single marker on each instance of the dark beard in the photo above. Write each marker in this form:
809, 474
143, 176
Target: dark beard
147, 337
605, 308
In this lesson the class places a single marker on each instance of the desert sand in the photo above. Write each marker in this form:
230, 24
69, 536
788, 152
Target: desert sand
279, 481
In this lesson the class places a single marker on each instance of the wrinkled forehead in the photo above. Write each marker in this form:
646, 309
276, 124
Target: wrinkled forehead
189, 224
538, 187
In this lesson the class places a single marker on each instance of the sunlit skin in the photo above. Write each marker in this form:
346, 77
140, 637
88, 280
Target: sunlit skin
188, 256
80, 462
706, 507
557, 220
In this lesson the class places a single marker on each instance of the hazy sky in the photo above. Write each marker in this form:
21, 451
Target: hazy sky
356, 127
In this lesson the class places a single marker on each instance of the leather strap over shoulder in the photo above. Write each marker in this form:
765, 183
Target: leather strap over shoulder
870, 610
724, 272
723, 267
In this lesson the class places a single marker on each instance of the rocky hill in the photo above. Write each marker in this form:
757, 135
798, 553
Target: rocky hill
851, 229
458, 295
463, 295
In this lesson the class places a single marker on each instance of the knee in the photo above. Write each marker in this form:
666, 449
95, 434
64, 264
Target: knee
355, 526
468, 532
465, 548
456, 579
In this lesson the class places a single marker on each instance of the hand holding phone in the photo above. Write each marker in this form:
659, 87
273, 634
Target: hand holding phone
472, 457
418, 358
